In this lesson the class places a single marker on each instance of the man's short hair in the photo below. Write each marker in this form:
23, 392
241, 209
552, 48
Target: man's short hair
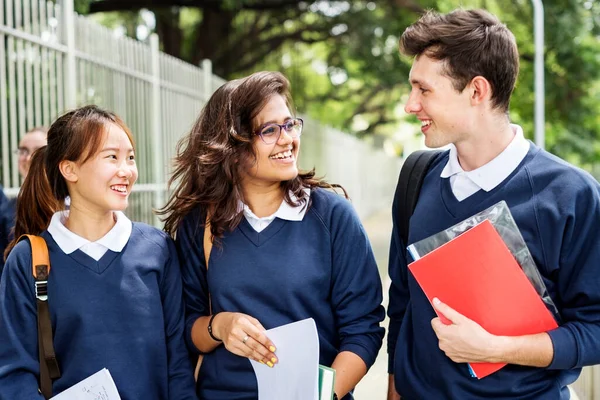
471, 43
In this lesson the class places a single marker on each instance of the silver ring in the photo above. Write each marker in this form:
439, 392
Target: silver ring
245, 339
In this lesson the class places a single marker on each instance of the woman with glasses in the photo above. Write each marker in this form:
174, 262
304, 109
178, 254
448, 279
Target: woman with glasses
286, 247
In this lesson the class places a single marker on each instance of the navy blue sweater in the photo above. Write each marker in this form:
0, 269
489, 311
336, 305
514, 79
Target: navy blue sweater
123, 312
557, 208
321, 267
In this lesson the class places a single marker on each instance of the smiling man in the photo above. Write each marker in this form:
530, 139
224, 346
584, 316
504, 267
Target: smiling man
464, 72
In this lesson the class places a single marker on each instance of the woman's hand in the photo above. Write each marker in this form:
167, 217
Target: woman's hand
244, 336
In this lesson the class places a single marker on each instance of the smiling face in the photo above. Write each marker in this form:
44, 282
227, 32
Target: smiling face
274, 162
444, 112
103, 183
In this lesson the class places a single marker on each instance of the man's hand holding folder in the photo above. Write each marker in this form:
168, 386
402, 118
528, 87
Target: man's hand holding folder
493, 315
465, 341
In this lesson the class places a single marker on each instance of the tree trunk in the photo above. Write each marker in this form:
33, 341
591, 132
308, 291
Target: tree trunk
167, 28
212, 39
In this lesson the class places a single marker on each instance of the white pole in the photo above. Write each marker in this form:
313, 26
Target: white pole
538, 26
159, 173
207, 70
68, 17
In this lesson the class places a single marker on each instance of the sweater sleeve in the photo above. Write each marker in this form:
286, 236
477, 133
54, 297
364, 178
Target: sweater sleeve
19, 362
399, 295
356, 287
181, 381
190, 247
577, 341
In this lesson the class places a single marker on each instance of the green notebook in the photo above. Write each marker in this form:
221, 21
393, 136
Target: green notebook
326, 382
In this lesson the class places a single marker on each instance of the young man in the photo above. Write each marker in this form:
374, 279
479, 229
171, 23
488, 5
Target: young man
463, 75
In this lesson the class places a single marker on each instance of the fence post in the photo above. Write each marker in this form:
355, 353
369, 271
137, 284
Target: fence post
158, 149
207, 71
70, 72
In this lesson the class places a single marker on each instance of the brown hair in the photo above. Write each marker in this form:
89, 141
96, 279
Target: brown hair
75, 136
209, 157
472, 43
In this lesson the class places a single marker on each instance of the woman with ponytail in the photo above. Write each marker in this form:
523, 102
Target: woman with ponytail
114, 290
285, 247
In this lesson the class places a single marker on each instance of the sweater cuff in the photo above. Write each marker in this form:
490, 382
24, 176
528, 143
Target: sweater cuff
367, 356
189, 324
565, 349
392, 339
391, 360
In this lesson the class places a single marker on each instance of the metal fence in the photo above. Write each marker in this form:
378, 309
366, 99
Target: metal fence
52, 60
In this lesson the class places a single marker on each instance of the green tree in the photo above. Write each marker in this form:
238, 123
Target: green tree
342, 56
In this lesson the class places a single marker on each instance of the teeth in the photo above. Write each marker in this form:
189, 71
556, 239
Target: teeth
282, 155
426, 123
119, 188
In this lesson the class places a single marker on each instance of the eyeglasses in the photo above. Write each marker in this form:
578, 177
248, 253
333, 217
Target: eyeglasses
272, 132
24, 152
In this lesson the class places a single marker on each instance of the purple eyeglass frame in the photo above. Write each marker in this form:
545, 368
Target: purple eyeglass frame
258, 132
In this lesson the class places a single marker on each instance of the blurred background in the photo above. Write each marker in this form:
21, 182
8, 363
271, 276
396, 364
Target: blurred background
156, 62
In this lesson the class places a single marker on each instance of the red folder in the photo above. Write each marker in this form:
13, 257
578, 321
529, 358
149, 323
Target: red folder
476, 275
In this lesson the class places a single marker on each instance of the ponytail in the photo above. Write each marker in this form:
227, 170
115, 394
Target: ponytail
36, 202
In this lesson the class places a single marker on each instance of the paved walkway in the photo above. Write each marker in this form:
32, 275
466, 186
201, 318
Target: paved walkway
379, 228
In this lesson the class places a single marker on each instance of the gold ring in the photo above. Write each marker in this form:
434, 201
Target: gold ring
245, 339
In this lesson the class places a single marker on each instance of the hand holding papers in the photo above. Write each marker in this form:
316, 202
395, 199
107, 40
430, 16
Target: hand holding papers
99, 386
297, 375
476, 275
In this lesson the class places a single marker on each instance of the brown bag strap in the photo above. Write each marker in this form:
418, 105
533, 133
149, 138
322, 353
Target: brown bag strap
40, 264
207, 244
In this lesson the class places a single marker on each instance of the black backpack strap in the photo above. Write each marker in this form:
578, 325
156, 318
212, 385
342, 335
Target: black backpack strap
411, 179
40, 264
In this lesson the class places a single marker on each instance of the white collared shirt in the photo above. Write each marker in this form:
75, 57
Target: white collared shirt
285, 211
487, 177
68, 241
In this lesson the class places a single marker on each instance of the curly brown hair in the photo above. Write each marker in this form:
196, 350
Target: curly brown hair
209, 159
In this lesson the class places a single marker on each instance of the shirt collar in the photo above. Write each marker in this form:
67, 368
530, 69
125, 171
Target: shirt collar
285, 211
494, 172
115, 240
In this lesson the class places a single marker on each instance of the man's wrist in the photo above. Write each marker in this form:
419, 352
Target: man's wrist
498, 349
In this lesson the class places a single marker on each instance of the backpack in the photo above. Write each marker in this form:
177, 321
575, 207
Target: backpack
410, 181
40, 264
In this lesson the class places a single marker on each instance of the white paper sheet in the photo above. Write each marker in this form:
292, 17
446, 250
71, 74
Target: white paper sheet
296, 375
99, 386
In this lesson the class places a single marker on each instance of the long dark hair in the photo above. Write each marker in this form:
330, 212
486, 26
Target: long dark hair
75, 136
209, 158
